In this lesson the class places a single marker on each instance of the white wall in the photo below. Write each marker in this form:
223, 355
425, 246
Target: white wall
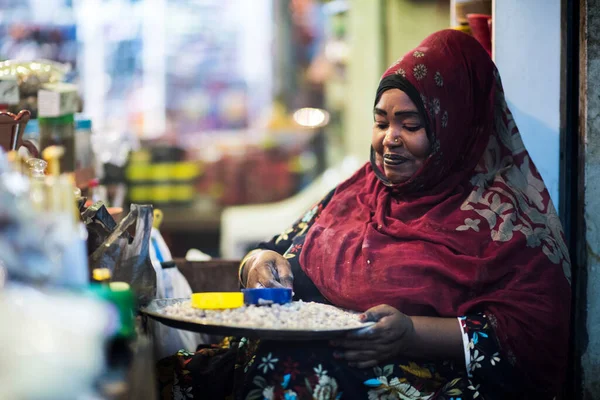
527, 53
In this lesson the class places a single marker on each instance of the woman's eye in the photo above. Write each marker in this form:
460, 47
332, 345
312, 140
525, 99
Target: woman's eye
413, 128
381, 125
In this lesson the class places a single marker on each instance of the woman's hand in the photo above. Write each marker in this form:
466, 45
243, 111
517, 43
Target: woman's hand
267, 268
391, 334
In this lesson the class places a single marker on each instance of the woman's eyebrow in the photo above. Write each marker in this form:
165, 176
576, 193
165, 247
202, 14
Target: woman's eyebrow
401, 113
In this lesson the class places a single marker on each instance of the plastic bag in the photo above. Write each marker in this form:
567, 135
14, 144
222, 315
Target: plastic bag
170, 284
99, 224
130, 262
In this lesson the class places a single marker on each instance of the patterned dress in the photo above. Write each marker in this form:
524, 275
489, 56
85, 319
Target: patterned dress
247, 369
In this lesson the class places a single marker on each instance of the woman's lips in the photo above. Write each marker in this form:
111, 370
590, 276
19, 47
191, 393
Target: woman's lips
394, 159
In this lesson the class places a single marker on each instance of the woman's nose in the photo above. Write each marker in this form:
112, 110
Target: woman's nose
392, 138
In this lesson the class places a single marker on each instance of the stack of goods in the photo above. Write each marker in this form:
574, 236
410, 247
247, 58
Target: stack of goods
255, 173
265, 175
161, 176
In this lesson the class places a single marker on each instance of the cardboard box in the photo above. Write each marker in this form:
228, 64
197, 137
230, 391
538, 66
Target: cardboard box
57, 99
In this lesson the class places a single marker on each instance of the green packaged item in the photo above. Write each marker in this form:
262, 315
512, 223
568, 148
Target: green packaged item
120, 295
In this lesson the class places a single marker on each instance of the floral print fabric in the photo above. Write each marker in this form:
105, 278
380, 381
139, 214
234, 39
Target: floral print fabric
308, 370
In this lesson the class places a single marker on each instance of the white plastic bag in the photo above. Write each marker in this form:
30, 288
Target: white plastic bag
170, 284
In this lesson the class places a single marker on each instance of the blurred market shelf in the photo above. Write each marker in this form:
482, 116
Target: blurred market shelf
83, 176
199, 216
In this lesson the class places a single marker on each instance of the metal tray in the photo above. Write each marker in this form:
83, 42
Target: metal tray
153, 309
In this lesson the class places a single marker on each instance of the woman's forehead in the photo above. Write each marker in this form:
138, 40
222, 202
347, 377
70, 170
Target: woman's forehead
397, 100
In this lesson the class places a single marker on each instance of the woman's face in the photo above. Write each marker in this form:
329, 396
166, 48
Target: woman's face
399, 138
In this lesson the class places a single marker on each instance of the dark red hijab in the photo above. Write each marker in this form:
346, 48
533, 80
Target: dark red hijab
473, 231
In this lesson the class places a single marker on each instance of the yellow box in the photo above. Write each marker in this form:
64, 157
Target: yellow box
217, 300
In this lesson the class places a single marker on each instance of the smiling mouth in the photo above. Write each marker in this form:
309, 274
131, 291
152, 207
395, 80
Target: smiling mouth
394, 159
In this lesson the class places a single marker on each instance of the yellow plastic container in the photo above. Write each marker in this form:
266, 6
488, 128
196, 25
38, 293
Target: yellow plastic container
217, 300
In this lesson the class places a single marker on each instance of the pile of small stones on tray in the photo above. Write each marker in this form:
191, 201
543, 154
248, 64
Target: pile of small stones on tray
297, 315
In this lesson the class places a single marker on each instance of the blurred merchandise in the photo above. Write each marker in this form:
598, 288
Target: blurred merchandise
31, 76
120, 295
54, 196
32, 132
56, 337
209, 107
465, 7
28, 40
251, 170
96, 191
160, 176
56, 99
27, 251
37, 168
59, 131
84, 155
42, 241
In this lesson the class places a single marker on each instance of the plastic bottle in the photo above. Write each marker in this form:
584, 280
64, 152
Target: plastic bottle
84, 156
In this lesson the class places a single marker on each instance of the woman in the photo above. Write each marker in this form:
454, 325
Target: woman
447, 239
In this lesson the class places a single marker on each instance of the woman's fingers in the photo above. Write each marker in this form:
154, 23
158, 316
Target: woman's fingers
267, 276
380, 330
284, 270
261, 275
376, 313
367, 333
384, 339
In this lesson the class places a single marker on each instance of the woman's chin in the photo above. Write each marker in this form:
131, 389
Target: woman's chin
395, 177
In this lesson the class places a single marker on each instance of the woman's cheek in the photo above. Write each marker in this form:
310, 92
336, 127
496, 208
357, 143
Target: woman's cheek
379, 160
419, 146
377, 142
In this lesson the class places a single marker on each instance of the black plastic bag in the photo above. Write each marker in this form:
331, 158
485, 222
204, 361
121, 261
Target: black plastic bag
99, 224
130, 262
